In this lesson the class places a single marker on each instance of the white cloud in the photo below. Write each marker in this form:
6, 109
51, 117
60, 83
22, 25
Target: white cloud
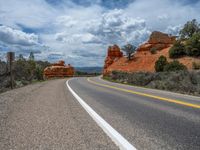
159, 14
173, 30
117, 27
16, 37
163, 17
111, 27
31, 13
66, 21
77, 32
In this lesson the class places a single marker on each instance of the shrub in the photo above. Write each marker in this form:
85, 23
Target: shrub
178, 81
177, 50
160, 64
195, 65
174, 66
38, 72
193, 45
153, 50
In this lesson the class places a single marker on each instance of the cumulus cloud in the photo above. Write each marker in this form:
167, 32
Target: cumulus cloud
111, 27
80, 31
18, 41
116, 27
16, 37
30, 13
161, 14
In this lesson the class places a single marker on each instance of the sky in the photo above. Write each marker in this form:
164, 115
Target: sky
79, 31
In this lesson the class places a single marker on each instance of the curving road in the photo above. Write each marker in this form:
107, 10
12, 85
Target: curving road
147, 118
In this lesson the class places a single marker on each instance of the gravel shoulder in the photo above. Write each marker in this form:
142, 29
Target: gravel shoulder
46, 116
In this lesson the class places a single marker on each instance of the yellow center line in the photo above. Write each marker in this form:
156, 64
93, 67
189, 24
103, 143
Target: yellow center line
147, 95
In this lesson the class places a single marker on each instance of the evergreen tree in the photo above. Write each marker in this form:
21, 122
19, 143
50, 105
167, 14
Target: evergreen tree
190, 28
31, 56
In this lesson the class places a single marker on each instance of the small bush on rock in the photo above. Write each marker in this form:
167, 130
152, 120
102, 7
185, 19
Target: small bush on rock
153, 50
160, 64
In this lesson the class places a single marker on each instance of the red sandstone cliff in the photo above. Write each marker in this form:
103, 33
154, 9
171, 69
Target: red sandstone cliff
143, 59
59, 70
113, 55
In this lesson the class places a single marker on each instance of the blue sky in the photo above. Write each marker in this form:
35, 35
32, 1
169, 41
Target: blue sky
79, 31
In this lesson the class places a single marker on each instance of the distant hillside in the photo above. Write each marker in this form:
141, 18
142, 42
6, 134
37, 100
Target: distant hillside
89, 69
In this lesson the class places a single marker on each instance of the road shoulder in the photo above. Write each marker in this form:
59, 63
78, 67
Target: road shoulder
46, 116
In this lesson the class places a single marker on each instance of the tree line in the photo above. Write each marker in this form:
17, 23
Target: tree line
29, 69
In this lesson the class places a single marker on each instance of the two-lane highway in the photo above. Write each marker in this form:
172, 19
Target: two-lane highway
147, 118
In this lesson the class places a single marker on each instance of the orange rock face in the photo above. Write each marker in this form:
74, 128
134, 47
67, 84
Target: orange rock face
59, 70
157, 40
143, 59
113, 55
160, 38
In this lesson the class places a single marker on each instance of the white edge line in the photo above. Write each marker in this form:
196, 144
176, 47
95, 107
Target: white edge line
116, 137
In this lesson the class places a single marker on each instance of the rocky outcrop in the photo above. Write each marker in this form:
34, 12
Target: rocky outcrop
157, 37
59, 70
144, 60
158, 41
113, 54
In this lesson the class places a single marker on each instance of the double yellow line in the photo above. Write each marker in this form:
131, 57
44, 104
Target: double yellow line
147, 95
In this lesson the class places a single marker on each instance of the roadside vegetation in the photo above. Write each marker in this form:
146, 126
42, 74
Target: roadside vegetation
188, 43
163, 65
186, 82
25, 71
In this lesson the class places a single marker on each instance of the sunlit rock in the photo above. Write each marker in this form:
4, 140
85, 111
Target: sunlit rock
59, 70
113, 54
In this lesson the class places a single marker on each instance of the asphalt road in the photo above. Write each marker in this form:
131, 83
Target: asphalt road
147, 118
45, 116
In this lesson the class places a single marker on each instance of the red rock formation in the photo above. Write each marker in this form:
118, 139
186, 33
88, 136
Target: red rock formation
144, 60
160, 38
157, 40
113, 54
59, 70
